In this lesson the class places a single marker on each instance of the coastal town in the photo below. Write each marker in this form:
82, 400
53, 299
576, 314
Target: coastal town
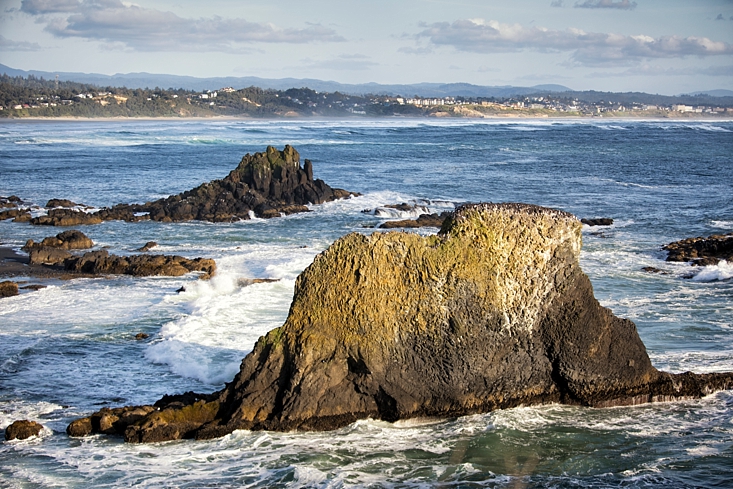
31, 97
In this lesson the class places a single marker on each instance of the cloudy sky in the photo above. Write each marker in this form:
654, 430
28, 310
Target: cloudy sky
656, 46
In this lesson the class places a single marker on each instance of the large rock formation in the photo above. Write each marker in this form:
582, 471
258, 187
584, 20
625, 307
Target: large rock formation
267, 184
22, 429
491, 313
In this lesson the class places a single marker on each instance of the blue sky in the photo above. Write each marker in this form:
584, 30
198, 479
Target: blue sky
656, 46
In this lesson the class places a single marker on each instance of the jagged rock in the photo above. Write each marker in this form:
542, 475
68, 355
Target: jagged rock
8, 289
493, 312
67, 240
425, 220
267, 184
66, 217
20, 430
148, 246
601, 221
101, 262
702, 251
47, 256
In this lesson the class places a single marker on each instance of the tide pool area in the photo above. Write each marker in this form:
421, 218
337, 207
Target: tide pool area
69, 349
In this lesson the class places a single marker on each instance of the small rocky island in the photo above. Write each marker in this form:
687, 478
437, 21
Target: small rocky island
493, 312
265, 185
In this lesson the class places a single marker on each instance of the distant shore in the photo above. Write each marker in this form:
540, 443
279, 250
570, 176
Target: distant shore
697, 118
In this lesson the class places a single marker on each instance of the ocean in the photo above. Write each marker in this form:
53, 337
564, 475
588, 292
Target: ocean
70, 349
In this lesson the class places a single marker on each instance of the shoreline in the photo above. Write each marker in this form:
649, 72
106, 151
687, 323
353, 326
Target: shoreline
512, 117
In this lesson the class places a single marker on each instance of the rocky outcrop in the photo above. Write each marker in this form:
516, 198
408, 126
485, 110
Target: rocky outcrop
493, 312
23, 429
266, 185
62, 203
147, 246
67, 240
8, 289
101, 262
702, 251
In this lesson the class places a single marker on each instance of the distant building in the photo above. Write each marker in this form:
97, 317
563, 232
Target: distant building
682, 108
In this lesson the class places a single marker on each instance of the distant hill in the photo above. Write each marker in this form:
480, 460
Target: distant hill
149, 80
715, 93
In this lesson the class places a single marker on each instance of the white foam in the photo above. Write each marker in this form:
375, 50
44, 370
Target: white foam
714, 273
223, 320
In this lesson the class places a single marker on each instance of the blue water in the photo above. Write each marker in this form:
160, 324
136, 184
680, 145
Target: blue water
69, 349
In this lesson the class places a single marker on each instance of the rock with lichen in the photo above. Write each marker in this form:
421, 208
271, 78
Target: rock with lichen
491, 313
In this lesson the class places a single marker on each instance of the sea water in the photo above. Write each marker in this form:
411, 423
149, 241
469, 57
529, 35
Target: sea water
69, 349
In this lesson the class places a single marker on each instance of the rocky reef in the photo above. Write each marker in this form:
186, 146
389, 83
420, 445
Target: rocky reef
702, 251
265, 185
491, 313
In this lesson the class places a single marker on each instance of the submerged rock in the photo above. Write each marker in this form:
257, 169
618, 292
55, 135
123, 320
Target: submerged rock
491, 313
702, 251
601, 221
22, 429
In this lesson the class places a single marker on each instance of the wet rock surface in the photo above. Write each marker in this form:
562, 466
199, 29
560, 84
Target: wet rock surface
266, 185
493, 312
702, 251
22, 429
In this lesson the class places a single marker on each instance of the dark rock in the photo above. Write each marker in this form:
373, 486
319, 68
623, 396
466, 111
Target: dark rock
702, 251
67, 240
602, 221
8, 289
654, 270
425, 220
268, 184
148, 246
491, 313
23, 217
142, 336
20, 430
182, 289
101, 262
61, 203
66, 217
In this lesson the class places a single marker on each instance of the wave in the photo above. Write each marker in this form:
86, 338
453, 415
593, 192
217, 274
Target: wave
714, 273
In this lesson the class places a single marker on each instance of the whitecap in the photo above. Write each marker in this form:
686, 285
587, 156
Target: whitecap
714, 273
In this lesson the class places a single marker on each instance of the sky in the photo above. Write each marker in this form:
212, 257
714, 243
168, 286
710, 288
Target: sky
655, 46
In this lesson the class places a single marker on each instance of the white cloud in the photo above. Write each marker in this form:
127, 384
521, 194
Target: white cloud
145, 29
9, 45
620, 4
587, 48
